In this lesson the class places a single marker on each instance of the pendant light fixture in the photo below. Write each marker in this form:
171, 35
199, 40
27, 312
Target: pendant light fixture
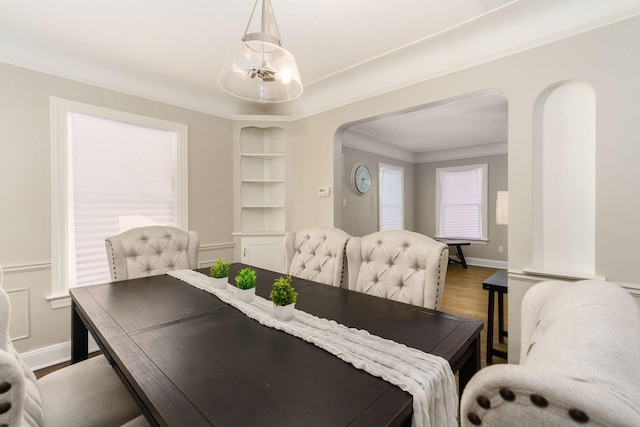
259, 68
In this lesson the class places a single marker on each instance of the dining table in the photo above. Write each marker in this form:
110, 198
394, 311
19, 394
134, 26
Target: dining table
190, 359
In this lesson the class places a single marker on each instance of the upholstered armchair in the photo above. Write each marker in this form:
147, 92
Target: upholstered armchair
149, 251
88, 393
579, 362
316, 254
399, 265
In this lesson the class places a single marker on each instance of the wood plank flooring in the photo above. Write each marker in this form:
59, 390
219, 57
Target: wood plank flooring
463, 295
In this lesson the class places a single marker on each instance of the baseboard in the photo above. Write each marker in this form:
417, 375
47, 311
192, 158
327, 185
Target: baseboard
52, 355
492, 263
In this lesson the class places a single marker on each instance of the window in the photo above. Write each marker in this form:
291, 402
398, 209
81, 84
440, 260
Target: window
391, 200
461, 202
111, 171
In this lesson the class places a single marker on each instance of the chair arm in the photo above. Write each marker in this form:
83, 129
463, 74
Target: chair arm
12, 389
515, 395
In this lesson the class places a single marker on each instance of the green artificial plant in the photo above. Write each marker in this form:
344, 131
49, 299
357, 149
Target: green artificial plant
282, 292
246, 278
219, 269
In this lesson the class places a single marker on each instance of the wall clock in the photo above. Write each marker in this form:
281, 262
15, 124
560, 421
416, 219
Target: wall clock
360, 178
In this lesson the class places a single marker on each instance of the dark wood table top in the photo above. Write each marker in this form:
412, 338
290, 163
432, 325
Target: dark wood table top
498, 281
452, 242
193, 360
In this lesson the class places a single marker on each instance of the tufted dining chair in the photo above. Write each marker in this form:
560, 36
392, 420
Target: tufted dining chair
316, 254
399, 265
88, 393
579, 362
149, 251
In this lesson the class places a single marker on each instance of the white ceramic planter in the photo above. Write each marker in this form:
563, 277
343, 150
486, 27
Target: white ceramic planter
246, 295
284, 312
220, 283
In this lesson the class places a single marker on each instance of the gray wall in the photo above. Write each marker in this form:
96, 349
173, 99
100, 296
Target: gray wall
426, 204
25, 190
360, 215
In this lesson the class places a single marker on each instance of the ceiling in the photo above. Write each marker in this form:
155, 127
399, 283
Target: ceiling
478, 120
347, 50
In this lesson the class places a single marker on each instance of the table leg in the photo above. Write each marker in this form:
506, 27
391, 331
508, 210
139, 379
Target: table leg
470, 367
501, 331
490, 328
461, 256
79, 337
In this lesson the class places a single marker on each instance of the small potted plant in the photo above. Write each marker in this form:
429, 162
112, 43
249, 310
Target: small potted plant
246, 284
220, 272
284, 298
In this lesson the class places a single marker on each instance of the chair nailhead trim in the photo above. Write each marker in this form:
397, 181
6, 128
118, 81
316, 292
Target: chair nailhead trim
483, 402
507, 394
539, 401
4, 407
578, 416
5, 387
474, 419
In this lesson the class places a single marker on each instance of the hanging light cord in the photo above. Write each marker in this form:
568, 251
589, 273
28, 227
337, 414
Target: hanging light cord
263, 27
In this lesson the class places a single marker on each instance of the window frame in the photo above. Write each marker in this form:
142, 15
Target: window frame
484, 203
61, 200
401, 170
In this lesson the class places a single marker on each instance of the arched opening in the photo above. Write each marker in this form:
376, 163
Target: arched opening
463, 130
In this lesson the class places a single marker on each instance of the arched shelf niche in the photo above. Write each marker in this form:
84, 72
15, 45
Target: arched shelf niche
564, 180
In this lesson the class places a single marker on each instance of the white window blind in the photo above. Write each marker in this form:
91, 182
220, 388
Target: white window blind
391, 189
118, 170
461, 200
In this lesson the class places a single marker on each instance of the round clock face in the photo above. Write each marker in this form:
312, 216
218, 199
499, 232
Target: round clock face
361, 178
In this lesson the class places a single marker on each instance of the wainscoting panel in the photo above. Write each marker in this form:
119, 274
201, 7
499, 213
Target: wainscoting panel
19, 323
210, 252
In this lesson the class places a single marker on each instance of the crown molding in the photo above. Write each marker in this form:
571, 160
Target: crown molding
517, 27
372, 144
362, 141
482, 150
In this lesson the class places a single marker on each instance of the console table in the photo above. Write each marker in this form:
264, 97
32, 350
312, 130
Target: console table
458, 244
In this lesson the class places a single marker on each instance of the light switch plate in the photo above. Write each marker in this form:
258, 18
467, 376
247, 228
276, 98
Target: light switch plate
324, 191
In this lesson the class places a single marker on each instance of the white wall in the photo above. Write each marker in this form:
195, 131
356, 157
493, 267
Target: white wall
25, 191
605, 58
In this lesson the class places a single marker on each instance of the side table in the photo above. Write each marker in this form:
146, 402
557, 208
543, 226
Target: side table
496, 283
458, 244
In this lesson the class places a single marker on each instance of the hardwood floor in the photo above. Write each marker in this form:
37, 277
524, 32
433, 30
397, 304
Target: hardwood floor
463, 295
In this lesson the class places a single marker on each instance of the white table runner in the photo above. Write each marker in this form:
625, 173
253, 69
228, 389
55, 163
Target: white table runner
427, 377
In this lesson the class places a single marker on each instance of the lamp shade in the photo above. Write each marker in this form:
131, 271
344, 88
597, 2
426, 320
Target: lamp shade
262, 71
502, 208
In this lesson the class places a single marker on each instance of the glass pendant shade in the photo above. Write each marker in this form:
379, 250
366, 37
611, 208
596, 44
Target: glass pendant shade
260, 71
259, 68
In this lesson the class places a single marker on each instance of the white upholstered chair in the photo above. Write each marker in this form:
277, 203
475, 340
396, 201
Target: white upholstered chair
579, 362
399, 265
88, 393
149, 251
316, 254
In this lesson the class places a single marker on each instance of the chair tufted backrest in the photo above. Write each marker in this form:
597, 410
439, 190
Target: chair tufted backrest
316, 254
399, 265
149, 251
20, 403
579, 362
